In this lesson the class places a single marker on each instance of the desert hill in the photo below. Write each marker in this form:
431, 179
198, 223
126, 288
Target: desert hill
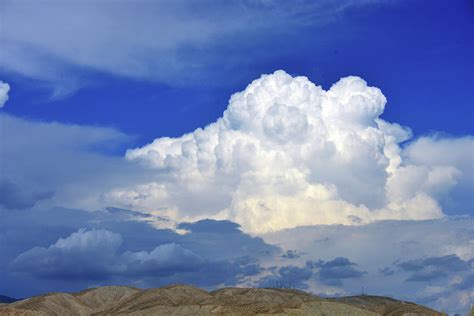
189, 300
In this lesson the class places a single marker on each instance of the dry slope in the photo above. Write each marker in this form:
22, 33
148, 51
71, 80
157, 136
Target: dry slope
188, 300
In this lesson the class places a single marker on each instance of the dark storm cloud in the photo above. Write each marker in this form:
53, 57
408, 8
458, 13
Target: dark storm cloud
288, 277
426, 269
332, 272
116, 246
295, 274
223, 239
93, 255
446, 263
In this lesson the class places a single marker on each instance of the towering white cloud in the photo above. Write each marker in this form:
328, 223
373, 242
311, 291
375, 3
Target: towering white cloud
287, 153
4, 89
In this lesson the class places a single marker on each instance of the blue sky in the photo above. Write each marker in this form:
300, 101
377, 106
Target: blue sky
303, 176
423, 63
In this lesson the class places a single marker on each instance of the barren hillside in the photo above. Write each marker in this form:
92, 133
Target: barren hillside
189, 300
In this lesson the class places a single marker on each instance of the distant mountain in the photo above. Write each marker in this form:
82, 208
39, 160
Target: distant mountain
189, 300
6, 299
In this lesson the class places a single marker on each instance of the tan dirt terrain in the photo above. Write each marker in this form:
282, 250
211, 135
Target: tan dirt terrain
189, 300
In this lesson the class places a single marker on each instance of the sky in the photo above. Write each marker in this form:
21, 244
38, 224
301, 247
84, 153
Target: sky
329, 143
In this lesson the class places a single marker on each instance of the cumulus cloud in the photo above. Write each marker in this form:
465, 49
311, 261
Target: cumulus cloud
116, 246
164, 259
94, 255
82, 255
453, 158
4, 89
287, 153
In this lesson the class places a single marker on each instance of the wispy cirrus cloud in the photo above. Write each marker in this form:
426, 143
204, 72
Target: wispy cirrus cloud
177, 43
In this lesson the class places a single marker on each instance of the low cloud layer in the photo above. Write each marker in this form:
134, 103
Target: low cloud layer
427, 269
332, 272
93, 255
79, 249
288, 153
430, 262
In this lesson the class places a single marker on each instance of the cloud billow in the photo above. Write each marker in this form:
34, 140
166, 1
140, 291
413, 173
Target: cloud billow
287, 153
97, 255
117, 246
4, 89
